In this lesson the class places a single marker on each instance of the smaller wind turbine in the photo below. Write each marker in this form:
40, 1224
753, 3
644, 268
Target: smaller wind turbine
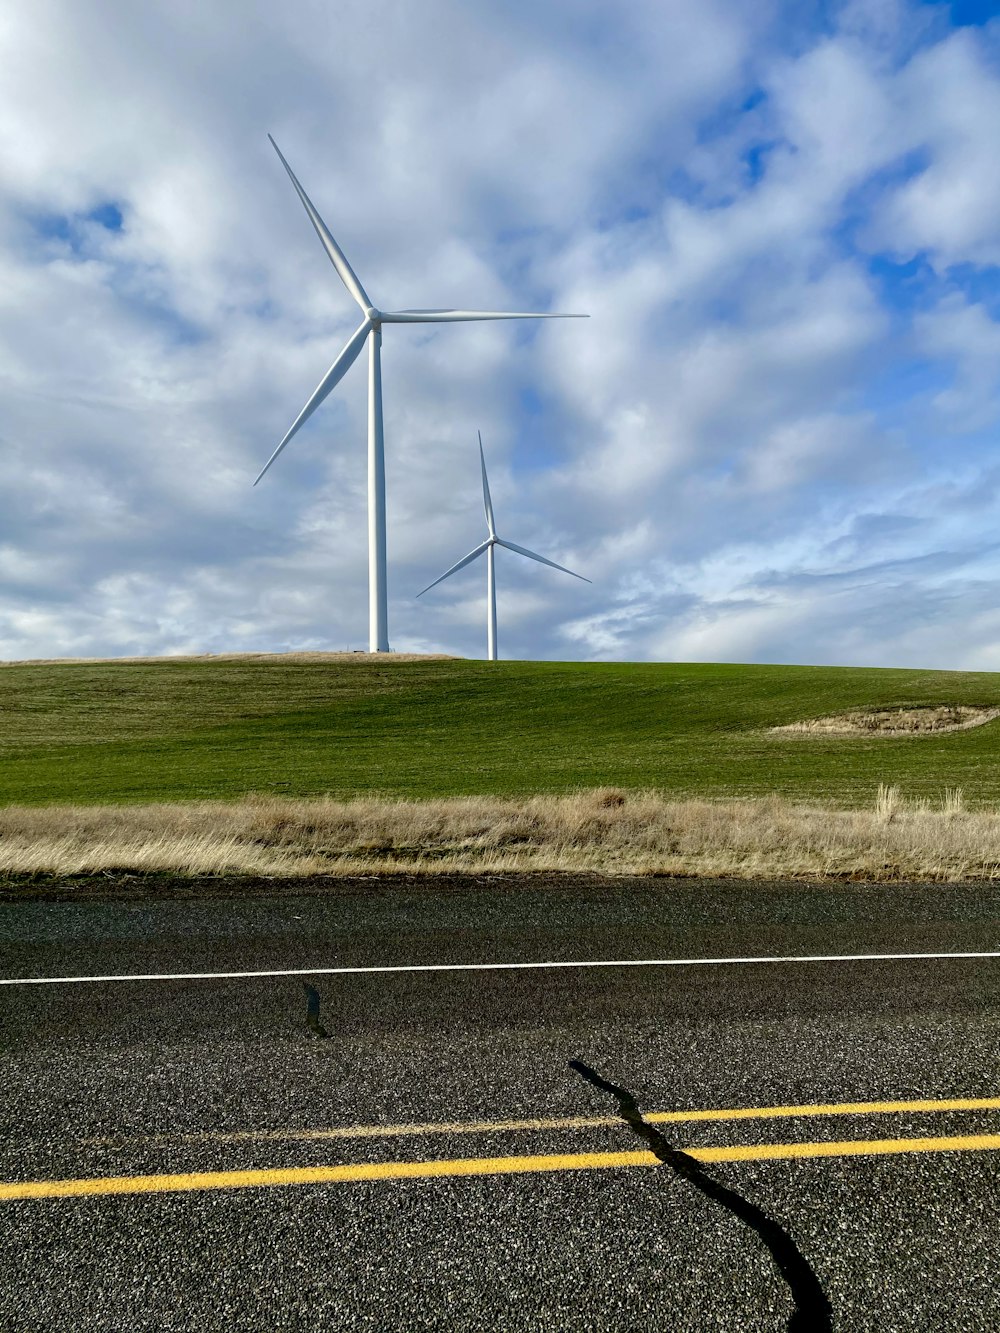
489, 546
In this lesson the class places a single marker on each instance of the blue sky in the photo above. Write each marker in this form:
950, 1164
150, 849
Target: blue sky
774, 440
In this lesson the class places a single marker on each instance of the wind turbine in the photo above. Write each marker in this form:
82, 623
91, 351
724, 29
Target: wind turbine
489, 546
371, 326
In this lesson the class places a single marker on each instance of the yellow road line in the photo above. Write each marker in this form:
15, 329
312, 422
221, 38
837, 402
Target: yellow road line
364, 1131
829, 1108
479, 1166
780, 1152
569, 1122
319, 1175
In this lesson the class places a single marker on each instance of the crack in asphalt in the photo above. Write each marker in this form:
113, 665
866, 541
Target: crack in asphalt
813, 1312
312, 1011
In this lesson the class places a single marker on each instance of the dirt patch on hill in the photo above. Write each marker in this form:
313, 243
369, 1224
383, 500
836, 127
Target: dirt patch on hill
896, 721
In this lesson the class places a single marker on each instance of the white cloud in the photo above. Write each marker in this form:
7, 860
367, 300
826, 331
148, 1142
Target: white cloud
961, 334
950, 98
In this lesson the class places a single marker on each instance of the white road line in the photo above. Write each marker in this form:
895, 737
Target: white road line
487, 967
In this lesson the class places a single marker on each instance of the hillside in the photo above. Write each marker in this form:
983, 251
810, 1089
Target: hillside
181, 729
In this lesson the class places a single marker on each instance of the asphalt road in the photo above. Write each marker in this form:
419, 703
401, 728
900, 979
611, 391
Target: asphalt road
131, 1079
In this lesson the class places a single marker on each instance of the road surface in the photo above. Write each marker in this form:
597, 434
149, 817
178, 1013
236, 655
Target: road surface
411, 1149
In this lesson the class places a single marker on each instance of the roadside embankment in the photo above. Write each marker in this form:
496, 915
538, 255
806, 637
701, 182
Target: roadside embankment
605, 830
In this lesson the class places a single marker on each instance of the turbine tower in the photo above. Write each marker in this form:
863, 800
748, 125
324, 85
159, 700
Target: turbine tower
371, 327
489, 546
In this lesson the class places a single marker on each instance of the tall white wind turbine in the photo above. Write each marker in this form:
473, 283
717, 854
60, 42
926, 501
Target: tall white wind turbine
371, 327
489, 546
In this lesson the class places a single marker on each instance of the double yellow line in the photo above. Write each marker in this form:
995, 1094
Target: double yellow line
497, 1166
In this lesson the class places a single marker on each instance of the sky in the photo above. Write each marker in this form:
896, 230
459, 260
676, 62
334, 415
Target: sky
774, 440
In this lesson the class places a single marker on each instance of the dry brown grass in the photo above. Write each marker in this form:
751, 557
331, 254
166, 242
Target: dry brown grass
605, 830
896, 721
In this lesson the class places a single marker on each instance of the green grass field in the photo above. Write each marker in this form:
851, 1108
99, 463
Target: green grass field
180, 730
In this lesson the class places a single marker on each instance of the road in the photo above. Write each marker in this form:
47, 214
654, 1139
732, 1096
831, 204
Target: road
419, 1152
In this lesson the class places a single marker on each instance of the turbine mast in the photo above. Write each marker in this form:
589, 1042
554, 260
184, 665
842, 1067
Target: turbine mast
491, 604
378, 602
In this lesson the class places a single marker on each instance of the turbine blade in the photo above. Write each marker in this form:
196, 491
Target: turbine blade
533, 555
329, 381
483, 546
462, 316
487, 502
337, 256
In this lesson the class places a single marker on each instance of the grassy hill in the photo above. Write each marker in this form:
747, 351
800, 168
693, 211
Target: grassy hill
184, 729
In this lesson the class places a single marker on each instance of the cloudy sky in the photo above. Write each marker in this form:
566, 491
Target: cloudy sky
775, 439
